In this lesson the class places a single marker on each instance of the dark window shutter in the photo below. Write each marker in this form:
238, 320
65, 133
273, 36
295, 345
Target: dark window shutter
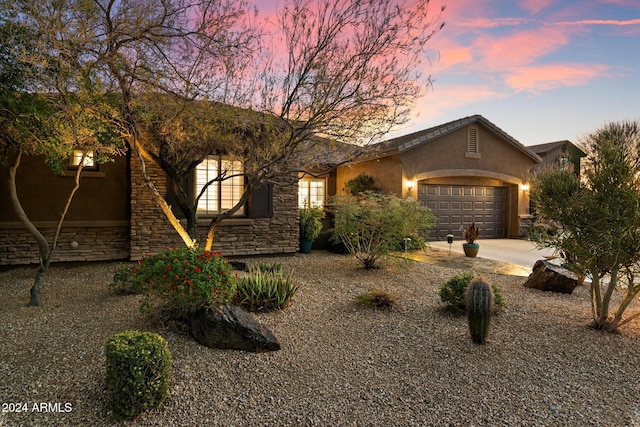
262, 201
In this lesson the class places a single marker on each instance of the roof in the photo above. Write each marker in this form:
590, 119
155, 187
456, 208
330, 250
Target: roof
412, 140
542, 149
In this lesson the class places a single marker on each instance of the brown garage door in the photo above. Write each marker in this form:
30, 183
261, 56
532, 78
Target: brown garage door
455, 206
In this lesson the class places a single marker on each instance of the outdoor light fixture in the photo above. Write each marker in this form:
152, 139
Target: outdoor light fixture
524, 187
410, 185
450, 241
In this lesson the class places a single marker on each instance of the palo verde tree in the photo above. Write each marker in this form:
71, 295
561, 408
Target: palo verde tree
348, 73
195, 78
47, 107
598, 219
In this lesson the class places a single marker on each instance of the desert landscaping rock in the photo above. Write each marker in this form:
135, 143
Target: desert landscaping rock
231, 327
340, 364
549, 277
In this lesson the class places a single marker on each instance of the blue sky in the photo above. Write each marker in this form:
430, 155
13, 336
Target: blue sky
542, 70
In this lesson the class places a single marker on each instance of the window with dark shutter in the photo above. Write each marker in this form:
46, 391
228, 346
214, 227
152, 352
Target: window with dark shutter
261, 201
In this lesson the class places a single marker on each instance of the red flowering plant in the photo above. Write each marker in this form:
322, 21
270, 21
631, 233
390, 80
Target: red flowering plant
185, 279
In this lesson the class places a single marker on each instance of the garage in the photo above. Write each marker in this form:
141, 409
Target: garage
455, 206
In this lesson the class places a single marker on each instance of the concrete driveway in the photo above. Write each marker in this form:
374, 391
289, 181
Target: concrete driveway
513, 251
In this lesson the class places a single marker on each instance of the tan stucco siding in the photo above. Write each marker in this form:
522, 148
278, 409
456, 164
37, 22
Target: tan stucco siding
448, 153
386, 172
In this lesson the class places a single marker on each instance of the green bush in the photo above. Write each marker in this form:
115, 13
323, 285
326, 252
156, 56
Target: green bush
453, 292
123, 283
310, 223
185, 280
271, 267
265, 290
373, 225
377, 299
360, 184
138, 372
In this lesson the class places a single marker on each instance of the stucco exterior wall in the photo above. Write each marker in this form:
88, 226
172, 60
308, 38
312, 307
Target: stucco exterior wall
386, 172
95, 228
497, 158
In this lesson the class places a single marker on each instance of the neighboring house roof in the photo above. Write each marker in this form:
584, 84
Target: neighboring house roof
412, 140
542, 149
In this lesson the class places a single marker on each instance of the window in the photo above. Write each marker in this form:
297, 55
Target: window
76, 158
473, 144
222, 195
311, 192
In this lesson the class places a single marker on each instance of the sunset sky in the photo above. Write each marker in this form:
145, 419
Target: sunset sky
542, 70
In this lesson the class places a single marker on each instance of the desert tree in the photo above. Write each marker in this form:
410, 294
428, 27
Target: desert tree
195, 78
48, 107
598, 219
344, 73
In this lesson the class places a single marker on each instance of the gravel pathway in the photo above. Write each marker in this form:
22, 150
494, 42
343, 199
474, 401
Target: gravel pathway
340, 364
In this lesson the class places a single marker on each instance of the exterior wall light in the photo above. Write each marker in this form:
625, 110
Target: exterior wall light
410, 185
524, 187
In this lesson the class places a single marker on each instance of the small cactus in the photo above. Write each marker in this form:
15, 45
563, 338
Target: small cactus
479, 306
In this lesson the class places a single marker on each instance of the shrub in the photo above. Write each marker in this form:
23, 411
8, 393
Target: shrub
377, 299
123, 283
453, 291
310, 223
360, 184
185, 280
373, 225
271, 267
265, 289
138, 371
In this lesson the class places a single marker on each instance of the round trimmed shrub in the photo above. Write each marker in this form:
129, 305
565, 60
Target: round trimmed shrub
138, 372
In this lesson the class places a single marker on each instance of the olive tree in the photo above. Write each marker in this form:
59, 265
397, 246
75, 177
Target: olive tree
598, 219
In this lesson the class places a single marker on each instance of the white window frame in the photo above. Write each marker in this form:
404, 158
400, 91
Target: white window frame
222, 195
309, 195
76, 158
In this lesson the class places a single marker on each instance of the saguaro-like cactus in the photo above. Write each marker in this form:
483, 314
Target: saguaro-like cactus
479, 306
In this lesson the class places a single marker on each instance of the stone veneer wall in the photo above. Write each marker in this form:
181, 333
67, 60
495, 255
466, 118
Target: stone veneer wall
151, 231
96, 241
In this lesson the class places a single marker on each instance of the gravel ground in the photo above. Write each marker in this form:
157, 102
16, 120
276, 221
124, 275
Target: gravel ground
340, 364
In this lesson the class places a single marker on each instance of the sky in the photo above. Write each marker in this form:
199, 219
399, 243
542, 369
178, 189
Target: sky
541, 70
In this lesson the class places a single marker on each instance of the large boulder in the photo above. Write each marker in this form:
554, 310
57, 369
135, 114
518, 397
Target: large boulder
550, 277
231, 327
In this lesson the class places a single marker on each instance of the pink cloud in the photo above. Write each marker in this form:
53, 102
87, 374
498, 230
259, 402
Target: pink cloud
450, 97
537, 79
535, 6
520, 48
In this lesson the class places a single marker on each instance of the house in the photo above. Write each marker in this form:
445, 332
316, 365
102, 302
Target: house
465, 170
114, 216
558, 153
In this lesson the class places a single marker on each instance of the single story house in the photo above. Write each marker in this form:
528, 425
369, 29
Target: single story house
465, 170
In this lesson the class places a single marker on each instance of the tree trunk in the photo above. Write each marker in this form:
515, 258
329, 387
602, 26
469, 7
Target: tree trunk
603, 319
192, 224
36, 289
43, 246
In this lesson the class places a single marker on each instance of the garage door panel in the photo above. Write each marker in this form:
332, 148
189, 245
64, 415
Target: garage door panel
456, 206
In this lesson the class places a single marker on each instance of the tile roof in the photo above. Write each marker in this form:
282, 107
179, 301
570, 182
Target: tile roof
412, 140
